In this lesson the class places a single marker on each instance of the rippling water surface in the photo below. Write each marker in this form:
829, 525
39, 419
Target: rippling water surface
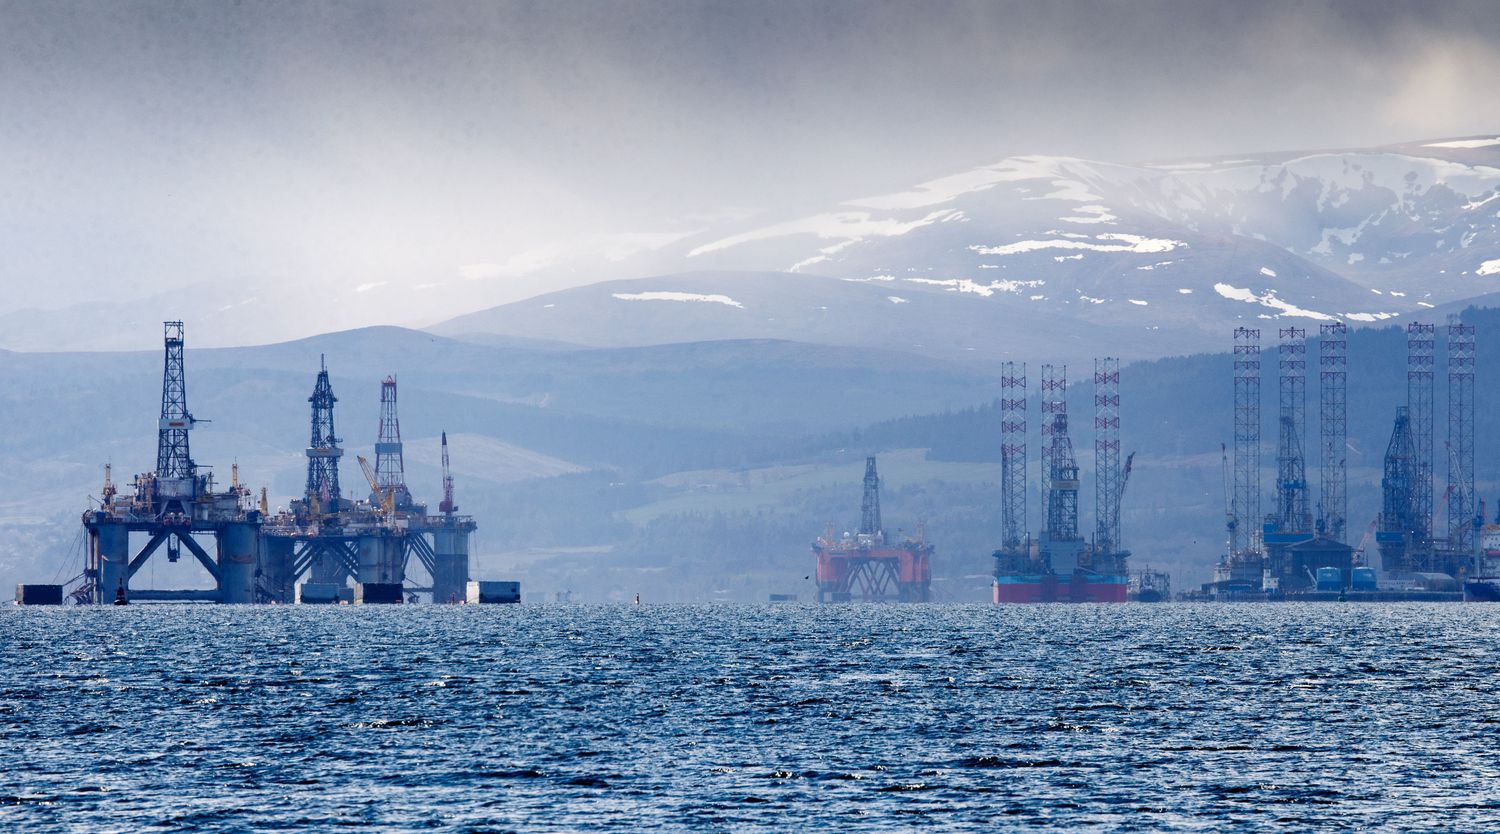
555, 718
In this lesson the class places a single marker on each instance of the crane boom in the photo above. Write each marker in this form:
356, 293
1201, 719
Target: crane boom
447, 506
387, 496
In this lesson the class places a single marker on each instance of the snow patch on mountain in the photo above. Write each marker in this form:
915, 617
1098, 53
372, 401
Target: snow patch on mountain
1016, 169
1091, 214
1127, 243
965, 285
1269, 299
848, 226
1465, 143
666, 295
1489, 268
896, 299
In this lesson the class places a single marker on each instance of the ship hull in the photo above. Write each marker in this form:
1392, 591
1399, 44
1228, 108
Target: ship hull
1022, 589
1482, 590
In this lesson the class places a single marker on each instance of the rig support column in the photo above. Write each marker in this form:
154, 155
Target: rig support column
1246, 509
237, 547
450, 578
275, 567
1333, 428
1462, 509
111, 546
1013, 457
380, 557
1420, 339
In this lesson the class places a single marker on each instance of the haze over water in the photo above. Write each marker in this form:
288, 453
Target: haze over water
860, 717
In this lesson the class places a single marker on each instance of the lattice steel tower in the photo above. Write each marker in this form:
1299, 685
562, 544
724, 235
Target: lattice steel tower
390, 467
1419, 368
1291, 467
1053, 402
1013, 456
1107, 474
173, 460
323, 450
1397, 498
1062, 506
1333, 428
1246, 509
1461, 509
869, 508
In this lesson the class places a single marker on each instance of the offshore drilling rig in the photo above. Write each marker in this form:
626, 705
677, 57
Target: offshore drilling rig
332, 539
1060, 565
867, 566
169, 505
1407, 526
1294, 550
1283, 551
324, 536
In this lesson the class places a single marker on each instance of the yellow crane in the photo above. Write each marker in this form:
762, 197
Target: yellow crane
387, 496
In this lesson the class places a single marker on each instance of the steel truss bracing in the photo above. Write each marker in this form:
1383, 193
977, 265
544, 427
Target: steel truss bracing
323, 450
1461, 506
1291, 467
390, 464
1062, 504
1107, 473
1419, 386
1397, 498
869, 508
1245, 512
1333, 428
1053, 402
173, 459
1013, 455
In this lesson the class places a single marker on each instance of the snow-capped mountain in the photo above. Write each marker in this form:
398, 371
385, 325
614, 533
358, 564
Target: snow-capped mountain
1084, 256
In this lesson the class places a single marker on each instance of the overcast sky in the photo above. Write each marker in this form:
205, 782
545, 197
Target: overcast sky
147, 146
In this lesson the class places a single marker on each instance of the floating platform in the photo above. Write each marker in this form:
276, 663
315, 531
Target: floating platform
39, 595
322, 593
379, 593
493, 593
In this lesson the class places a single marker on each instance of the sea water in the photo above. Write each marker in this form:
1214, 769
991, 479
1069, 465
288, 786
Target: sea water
849, 718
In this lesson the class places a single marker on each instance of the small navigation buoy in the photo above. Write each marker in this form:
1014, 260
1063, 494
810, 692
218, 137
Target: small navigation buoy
637, 599
120, 596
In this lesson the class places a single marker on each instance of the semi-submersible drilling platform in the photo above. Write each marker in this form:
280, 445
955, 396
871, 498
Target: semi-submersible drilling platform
259, 556
869, 567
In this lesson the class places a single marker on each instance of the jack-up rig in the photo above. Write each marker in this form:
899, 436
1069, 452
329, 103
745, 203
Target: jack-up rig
263, 557
868, 567
1294, 553
1060, 565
